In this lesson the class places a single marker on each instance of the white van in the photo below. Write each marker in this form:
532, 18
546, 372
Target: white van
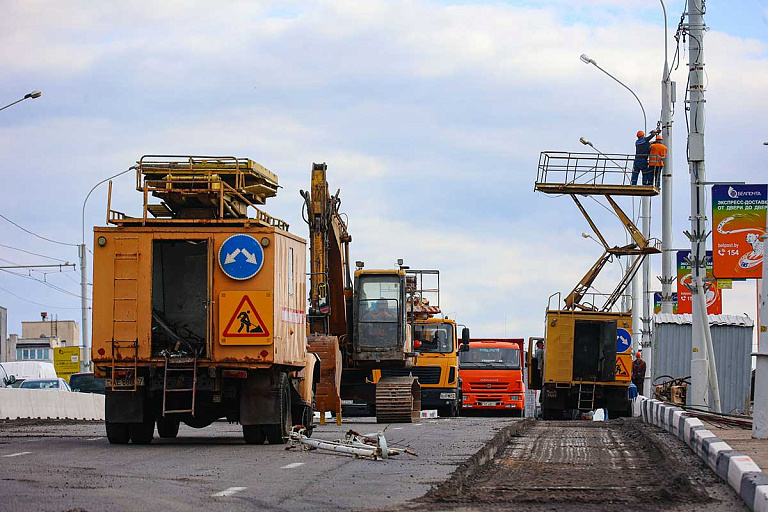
29, 370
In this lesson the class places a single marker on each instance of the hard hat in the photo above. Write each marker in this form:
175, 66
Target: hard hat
640, 134
639, 354
659, 137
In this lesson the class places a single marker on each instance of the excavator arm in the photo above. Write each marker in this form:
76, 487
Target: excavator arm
330, 279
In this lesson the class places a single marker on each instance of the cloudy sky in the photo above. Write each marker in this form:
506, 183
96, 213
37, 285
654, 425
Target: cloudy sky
430, 114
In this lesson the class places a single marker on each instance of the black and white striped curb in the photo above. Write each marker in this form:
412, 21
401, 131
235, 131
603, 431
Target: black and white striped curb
740, 471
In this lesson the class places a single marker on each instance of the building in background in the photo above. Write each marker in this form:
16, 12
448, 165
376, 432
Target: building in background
39, 338
5, 352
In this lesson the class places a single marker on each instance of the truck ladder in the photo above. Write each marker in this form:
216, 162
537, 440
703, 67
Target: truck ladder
586, 397
127, 365
176, 377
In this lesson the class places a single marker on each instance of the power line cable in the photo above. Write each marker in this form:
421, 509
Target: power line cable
35, 234
33, 253
32, 301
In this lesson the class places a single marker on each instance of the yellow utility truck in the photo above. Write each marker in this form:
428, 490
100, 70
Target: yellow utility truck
584, 361
198, 308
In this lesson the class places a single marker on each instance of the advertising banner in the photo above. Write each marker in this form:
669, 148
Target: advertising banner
657, 302
66, 361
738, 221
714, 296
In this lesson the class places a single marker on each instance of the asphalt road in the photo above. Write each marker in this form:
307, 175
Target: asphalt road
64, 467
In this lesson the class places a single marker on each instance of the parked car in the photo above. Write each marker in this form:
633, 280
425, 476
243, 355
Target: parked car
6, 380
58, 383
23, 370
87, 383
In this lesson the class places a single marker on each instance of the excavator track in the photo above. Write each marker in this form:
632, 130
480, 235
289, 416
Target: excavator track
398, 400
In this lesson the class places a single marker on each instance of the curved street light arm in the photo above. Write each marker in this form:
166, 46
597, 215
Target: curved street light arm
645, 120
94, 188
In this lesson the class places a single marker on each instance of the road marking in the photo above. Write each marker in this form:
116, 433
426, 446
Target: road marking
16, 454
397, 428
94, 439
292, 465
227, 492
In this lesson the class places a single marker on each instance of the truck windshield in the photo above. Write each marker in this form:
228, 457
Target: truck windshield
434, 338
487, 358
379, 310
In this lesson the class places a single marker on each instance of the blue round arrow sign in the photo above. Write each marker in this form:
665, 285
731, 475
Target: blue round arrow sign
623, 340
241, 257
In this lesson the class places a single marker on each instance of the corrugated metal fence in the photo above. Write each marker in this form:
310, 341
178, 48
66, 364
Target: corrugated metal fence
732, 342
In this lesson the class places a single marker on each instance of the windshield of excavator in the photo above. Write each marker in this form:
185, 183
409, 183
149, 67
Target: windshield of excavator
434, 338
379, 310
490, 358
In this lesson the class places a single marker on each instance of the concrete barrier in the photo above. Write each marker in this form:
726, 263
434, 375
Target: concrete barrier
50, 404
740, 471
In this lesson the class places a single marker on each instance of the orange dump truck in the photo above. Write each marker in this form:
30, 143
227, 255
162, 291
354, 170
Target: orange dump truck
492, 375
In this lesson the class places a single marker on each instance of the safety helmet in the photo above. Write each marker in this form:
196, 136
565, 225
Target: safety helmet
659, 137
638, 355
640, 134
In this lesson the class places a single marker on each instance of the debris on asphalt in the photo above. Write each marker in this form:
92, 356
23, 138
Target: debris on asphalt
360, 446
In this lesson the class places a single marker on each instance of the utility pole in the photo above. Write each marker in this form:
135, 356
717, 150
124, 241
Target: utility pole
760, 409
645, 333
703, 368
668, 274
86, 359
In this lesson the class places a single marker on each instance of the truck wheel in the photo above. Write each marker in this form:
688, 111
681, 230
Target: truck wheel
118, 433
142, 433
167, 428
278, 433
308, 419
254, 434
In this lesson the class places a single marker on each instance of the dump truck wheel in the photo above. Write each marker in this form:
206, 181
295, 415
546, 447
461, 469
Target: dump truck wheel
308, 419
142, 433
278, 433
118, 433
254, 434
167, 428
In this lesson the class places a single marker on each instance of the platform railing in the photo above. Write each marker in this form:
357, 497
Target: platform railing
569, 168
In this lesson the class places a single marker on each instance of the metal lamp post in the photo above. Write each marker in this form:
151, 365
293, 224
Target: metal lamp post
33, 94
82, 250
645, 332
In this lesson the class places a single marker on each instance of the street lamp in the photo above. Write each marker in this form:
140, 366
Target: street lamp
646, 217
33, 94
587, 60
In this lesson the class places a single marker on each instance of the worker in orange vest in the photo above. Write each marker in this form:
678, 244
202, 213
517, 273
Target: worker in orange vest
656, 162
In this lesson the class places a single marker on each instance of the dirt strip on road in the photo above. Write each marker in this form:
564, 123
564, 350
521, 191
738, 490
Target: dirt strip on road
583, 466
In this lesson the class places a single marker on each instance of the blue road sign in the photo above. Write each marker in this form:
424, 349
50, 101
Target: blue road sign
623, 341
241, 257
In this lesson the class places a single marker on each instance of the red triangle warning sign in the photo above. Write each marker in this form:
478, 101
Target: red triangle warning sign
621, 369
246, 322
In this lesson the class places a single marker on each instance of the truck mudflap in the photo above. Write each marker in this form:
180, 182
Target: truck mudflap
125, 406
260, 398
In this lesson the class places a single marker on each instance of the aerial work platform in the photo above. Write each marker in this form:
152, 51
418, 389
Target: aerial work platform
565, 172
608, 175
201, 190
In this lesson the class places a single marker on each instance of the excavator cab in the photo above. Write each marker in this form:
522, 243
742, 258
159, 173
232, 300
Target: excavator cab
381, 335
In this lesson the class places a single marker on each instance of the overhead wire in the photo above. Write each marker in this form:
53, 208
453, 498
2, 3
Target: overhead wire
35, 234
32, 301
33, 253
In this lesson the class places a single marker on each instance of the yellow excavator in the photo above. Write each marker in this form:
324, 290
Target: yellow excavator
356, 323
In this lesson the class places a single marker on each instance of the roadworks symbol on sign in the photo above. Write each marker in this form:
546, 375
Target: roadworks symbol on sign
246, 322
621, 369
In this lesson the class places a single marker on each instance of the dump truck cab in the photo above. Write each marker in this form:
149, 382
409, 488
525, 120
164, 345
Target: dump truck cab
492, 376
